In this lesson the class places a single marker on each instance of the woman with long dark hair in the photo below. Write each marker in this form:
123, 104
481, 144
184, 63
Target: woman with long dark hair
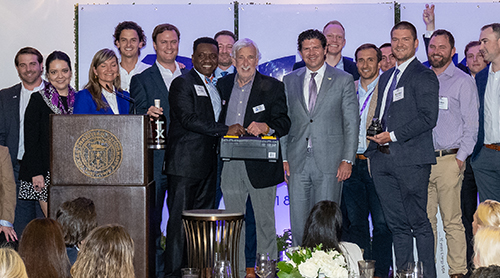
102, 94
58, 97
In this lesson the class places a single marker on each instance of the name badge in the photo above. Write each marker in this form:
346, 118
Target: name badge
258, 108
200, 91
398, 94
443, 103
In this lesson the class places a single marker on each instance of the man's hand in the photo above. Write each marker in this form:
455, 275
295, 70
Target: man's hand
429, 17
381, 138
344, 171
154, 112
38, 183
9, 233
235, 130
461, 164
286, 167
257, 129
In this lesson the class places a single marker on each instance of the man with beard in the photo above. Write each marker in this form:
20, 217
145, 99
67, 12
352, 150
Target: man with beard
13, 103
454, 137
226, 41
402, 154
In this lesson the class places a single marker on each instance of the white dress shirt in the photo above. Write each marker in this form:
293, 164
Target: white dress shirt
167, 74
491, 110
23, 103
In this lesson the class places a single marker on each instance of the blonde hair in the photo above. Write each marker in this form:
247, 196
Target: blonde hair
11, 264
107, 252
488, 213
487, 247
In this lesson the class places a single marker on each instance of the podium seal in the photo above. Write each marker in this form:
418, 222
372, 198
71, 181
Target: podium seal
98, 153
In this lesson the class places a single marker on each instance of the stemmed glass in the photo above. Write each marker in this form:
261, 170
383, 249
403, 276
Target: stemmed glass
263, 265
222, 269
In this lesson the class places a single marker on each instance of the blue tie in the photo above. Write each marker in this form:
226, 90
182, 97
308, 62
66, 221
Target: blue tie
224, 73
388, 100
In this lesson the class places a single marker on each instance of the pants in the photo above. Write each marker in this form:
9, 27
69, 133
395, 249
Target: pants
487, 173
468, 201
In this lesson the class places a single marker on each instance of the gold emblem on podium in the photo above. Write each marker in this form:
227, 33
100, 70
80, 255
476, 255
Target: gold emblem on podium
97, 153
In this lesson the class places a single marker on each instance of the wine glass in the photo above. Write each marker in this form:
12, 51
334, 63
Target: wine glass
222, 269
263, 265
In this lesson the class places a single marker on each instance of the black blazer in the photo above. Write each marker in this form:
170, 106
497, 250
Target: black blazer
349, 66
269, 92
193, 134
413, 117
9, 121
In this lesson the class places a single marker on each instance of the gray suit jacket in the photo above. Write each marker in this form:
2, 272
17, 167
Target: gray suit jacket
333, 126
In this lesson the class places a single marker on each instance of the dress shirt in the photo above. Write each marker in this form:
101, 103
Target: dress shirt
168, 75
340, 64
111, 99
364, 99
458, 119
238, 102
127, 76
318, 78
23, 103
214, 96
218, 72
491, 111
402, 69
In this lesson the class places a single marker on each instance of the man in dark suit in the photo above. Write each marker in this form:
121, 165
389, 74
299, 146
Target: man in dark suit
258, 103
486, 155
401, 155
191, 157
153, 83
13, 103
335, 35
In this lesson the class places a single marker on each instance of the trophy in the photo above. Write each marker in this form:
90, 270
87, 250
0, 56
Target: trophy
374, 128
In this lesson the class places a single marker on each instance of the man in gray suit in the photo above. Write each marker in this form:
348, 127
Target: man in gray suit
321, 145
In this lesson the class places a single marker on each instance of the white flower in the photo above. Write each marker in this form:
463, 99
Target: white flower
308, 269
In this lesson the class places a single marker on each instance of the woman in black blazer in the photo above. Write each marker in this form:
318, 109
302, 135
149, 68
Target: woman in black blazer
57, 97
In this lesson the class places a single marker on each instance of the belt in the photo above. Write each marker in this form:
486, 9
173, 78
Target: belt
384, 149
445, 152
495, 147
360, 156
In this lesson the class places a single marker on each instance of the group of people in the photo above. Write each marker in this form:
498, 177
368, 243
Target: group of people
432, 120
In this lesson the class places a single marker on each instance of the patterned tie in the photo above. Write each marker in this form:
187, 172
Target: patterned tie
313, 91
224, 73
388, 100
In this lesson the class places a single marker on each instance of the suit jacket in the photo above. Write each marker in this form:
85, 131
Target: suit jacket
193, 134
84, 104
413, 117
349, 66
9, 121
333, 125
481, 81
7, 187
270, 93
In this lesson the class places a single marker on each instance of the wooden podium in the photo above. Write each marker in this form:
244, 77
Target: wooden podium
105, 158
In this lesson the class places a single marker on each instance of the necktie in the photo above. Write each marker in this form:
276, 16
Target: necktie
388, 100
224, 73
313, 91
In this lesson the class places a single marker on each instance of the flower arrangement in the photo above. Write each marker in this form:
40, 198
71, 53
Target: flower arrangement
313, 263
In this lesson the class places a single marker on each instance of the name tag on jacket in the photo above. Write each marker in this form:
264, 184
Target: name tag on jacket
258, 108
200, 91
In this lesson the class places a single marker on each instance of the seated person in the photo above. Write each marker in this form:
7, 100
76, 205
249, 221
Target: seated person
492, 271
77, 218
324, 226
11, 264
487, 214
107, 252
487, 247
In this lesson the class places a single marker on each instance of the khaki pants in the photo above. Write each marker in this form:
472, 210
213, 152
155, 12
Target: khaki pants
445, 184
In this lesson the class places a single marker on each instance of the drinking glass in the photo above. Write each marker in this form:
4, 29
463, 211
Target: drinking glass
222, 269
263, 265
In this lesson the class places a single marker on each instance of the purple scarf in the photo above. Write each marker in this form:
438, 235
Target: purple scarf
54, 101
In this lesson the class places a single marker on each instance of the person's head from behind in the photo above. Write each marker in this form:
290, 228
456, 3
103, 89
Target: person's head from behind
323, 226
487, 247
77, 218
487, 214
43, 250
107, 252
11, 264
492, 271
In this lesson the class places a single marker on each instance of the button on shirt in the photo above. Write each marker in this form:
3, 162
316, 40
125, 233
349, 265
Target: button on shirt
238, 102
127, 76
167, 75
23, 103
458, 119
491, 111
364, 97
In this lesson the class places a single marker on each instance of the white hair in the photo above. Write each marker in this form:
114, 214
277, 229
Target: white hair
245, 43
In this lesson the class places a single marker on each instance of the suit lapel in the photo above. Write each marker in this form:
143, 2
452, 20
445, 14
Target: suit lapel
198, 81
300, 80
373, 106
158, 79
326, 84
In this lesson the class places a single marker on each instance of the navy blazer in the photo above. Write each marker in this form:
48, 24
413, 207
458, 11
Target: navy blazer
84, 104
481, 81
193, 134
270, 93
413, 117
349, 66
9, 122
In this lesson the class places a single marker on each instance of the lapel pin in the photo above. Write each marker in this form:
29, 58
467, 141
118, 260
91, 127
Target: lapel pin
329, 78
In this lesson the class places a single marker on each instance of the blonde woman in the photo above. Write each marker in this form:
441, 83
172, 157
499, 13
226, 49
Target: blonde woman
107, 252
487, 247
11, 264
487, 214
